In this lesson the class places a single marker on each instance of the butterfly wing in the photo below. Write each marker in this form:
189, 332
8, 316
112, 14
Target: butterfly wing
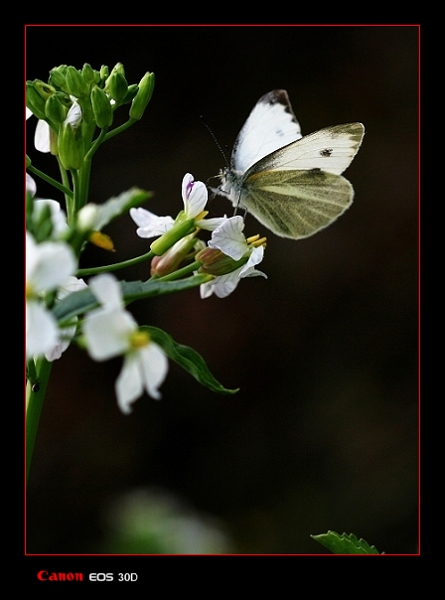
298, 190
270, 126
296, 204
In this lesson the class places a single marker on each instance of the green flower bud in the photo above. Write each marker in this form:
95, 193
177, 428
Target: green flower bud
131, 93
55, 109
116, 86
104, 72
44, 89
70, 146
103, 113
170, 237
34, 101
57, 77
145, 92
88, 74
217, 263
76, 84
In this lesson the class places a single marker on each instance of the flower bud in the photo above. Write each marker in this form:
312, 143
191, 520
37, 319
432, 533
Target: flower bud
87, 217
116, 85
34, 101
170, 260
44, 89
70, 146
131, 93
103, 113
104, 72
76, 84
57, 77
217, 263
88, 74
170, 237
142, 98
55, 109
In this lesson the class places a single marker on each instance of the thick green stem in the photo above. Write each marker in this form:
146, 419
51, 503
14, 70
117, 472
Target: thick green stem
35, 395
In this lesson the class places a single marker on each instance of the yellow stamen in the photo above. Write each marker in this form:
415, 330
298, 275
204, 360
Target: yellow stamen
139, 339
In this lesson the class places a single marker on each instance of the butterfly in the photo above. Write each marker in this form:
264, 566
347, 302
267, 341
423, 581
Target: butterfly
290, 183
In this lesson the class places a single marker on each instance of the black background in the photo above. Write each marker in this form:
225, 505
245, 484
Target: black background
323, 434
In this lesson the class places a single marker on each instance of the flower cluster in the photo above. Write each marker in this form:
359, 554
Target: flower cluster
108, 330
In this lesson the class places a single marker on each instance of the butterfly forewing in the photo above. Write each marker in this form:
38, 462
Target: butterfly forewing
296, 204
331, 149
270, 126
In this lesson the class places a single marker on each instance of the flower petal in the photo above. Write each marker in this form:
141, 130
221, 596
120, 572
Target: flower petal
107, 290
150, 225
42, 136
129, 385
41, 329
107, 332
229, 238
48, 264
154, 366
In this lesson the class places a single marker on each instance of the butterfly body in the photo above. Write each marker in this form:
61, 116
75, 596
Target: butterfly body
290, 183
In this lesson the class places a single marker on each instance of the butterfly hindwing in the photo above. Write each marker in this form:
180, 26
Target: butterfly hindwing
296, 204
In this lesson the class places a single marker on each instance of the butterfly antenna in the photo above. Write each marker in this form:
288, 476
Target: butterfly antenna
218, 145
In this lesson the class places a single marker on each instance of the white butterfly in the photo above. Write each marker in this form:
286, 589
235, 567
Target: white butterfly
291, 184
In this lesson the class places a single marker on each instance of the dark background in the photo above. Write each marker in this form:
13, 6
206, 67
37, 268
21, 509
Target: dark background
323, 434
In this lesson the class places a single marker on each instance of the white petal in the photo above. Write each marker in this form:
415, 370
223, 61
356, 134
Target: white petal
31, 186
74, 115
58, 217
229, 238
107, 332
154, 366
48, 264
72, 284
66, 335
42, 136
41, 329
29, 113
255, 258
129, 386
210, 224
150, 225
107, 290
196, 201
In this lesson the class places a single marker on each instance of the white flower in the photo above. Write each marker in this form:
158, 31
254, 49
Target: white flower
194, 197
229, 239
111, 331
72, 284
57, 215
42, 134
48, 265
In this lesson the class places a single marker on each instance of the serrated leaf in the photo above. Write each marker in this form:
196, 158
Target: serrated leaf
116, 206
80, 302
344, 543
188, 359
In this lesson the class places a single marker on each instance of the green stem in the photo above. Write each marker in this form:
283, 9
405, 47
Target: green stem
35, 395
116, 266
180, 272
119, 129
65, 190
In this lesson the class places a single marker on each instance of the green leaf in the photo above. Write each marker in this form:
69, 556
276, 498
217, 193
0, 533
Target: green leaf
188, 359
80, 302
114, 207
344, 543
